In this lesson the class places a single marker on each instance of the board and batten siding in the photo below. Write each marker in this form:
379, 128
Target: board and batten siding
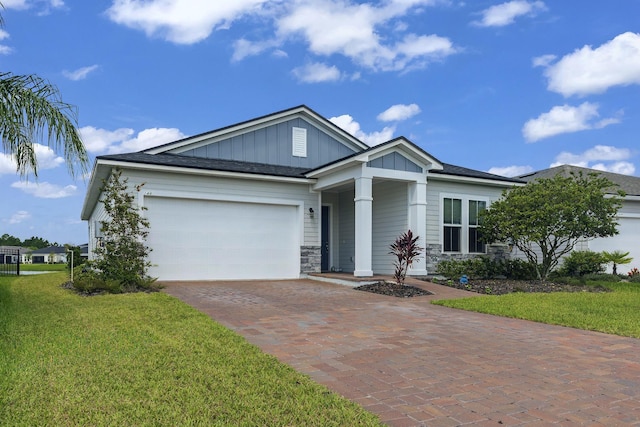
389, 220
213, 188
273, 145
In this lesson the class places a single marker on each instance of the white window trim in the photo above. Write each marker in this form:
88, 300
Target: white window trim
464, 235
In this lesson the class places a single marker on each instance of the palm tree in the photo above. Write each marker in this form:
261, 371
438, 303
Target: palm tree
617, 257
32, 110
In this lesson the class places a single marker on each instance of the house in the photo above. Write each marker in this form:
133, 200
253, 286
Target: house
49, 255
628, 216
12, 254
290, 193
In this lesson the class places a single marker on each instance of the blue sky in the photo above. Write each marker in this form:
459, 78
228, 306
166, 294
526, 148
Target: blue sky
505, 87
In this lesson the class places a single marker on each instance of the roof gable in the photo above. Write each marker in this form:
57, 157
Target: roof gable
297, 137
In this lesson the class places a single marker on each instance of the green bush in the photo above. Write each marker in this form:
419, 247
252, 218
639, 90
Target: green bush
91, 282
581, 263
634, 279
602, 277
484, 267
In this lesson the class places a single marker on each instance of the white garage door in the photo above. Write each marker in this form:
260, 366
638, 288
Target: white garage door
213, 240
626, 241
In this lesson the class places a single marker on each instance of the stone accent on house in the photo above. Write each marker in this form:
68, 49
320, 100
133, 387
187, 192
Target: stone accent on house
310, 259
435, 255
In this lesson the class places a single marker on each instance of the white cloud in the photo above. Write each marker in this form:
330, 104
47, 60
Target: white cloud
565, 119
597, 153
46, 158
543, 61
317, 72
4, 50
510, 171
369, 35
599, 157
355, 33
347, 123
102, 141
399, 112
19, 217
80, 73
504, 14
45, 190
26, 4
624, 168
181, 21
590, 71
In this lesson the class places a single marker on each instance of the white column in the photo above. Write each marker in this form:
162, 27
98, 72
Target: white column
418, 224
363, 207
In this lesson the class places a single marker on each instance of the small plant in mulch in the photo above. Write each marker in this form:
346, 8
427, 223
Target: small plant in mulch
506, 286
393, 289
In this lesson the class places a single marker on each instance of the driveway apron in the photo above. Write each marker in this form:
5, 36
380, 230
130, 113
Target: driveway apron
416, 364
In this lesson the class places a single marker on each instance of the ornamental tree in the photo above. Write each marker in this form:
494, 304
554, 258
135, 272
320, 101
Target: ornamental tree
122, 256
547, 217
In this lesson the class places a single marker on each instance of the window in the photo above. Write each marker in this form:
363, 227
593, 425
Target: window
475, 219
461, 218
452, 224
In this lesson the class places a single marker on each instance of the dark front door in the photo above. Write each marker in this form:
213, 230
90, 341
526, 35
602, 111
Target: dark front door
324, 238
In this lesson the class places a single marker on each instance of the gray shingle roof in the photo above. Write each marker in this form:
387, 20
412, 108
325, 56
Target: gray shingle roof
449, 169
177, 160
628, 184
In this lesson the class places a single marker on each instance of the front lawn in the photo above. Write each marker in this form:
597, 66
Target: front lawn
142, 359
616, 312
43, 267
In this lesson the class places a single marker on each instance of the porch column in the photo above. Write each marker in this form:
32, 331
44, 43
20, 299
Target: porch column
363, 207
418, 224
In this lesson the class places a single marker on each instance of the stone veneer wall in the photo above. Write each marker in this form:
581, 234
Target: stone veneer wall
435, 255
310, 259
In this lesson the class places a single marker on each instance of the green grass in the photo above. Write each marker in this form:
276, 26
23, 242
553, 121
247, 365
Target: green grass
142, 359
616, 312
43, 267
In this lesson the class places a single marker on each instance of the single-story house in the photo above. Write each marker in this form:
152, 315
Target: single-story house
12, 254
290, 193
628, 216
49, 255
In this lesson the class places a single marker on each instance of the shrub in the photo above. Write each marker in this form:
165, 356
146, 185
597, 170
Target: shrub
91, 282
580, 263
406, 250
602, 277
483, 267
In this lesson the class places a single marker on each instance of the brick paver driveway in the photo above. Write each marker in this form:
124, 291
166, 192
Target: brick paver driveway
415, 364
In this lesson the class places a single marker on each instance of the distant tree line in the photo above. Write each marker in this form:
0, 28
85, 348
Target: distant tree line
32, 242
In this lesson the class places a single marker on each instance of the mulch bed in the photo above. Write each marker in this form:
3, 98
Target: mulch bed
488, 287
505, 286
393, 290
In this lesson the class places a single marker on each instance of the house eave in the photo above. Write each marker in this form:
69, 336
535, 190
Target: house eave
103, 167
474, 180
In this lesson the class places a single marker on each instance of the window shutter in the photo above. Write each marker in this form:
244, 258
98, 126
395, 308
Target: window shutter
299, 142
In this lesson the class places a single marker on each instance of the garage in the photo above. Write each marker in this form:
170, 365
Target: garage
222, 240
625, 240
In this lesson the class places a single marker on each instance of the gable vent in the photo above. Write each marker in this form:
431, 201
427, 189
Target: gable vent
299, 142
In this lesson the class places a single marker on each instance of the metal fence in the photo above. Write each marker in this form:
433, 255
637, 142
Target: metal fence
9, 261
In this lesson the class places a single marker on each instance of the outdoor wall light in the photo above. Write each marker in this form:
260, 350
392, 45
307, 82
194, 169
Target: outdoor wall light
311, 213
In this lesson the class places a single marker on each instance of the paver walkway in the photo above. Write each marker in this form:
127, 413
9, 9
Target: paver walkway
416, 364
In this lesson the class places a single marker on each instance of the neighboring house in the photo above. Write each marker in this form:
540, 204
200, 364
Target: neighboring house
628, 216
49, 255
290, 193
12, 254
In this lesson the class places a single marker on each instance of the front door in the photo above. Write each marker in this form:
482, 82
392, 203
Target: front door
324, 238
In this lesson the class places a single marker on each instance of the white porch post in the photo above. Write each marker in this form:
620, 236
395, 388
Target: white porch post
418, 224
363, 208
